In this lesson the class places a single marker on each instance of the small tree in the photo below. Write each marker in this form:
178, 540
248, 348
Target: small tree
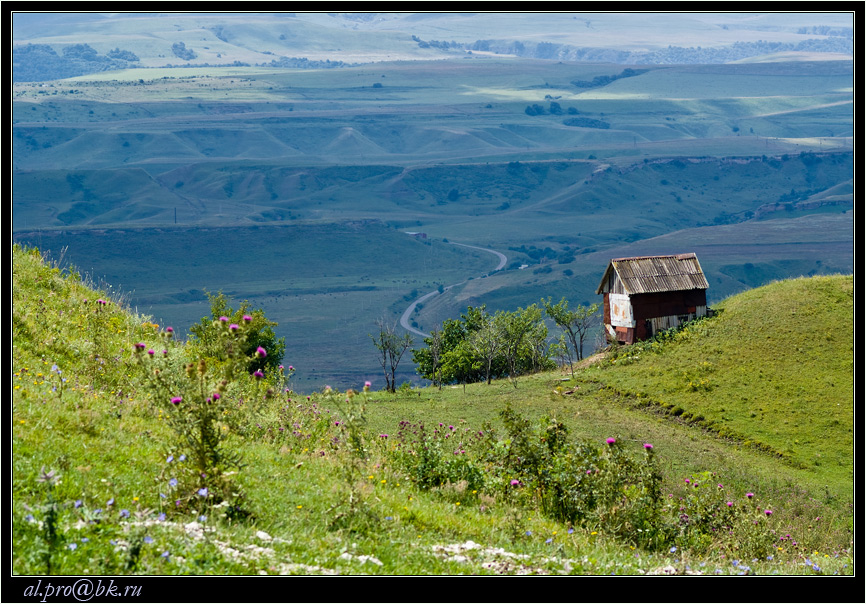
575, 323
391, 348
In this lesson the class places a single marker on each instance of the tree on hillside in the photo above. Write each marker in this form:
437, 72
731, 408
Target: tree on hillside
575, 323
522, 334
482, 347
391, 348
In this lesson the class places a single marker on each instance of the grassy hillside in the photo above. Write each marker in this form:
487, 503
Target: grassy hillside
102, 482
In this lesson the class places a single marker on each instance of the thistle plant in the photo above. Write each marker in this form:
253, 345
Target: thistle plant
50, 523
351, 448
204, 401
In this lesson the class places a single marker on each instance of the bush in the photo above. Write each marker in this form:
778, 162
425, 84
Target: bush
258, 333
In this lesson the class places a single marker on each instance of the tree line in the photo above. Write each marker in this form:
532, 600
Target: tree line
481, 346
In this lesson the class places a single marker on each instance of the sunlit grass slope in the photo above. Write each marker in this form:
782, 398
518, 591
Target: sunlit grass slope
94, 458
774, 369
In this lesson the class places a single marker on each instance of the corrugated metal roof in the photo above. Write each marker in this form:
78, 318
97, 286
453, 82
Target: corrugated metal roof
651, 274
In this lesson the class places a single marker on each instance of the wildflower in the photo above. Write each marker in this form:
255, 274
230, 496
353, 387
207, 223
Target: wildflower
750, 495
176, 400
768, 513
247, 318
258, 374
161, 517
165, 555
170, 459
224, 319
515, 482
550, 540
570, 531
148, 539
261, 352
169, 330
78, 503
124, 513
730, 503
673, 549
73, 546
202, 492
110, 502
151, 351
610, 441
182, 458
172, 482
647, 446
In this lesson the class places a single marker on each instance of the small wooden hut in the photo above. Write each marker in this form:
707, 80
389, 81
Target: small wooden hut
644, 295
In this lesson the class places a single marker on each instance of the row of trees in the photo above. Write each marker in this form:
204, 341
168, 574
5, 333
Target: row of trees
480, 346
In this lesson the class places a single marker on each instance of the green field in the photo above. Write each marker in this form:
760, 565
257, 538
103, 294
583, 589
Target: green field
726, 403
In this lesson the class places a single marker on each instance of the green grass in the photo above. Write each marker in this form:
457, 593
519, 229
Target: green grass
103, 434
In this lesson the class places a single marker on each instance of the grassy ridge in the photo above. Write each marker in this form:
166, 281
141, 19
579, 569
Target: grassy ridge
73, 376
774, 369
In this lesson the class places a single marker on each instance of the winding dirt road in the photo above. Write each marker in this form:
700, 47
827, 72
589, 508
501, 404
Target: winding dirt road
404, 320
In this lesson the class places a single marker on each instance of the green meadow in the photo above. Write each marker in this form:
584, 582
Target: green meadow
749, 414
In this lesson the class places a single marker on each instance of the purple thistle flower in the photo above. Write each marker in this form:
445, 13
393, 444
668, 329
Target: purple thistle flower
610, 441
261, 352
233, 327
247, 318
258, 374
176, 400
647, 446
750, 495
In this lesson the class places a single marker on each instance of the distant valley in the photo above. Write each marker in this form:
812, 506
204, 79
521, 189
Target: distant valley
331, 197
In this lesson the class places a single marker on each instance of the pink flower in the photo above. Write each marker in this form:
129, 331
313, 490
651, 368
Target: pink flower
750, 495
247, 318
768, 513
261, 352
515, 482
176, 400
647, 446
610, 441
